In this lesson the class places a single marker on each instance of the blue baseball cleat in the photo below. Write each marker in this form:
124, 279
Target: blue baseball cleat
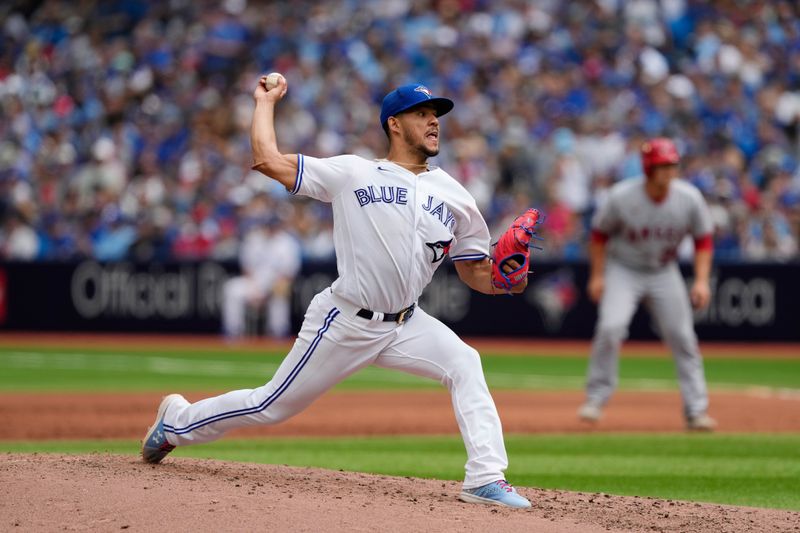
155, 445
495, 493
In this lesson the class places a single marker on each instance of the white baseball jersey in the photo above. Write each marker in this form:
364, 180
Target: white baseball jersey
644, 234
392, 228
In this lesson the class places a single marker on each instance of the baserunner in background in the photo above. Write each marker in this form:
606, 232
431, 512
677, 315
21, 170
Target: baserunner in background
633, 259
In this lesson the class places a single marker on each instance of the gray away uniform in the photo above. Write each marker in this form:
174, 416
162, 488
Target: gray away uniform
641, 265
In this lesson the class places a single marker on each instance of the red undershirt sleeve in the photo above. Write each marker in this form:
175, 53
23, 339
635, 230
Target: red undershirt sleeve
600, 237
704, 242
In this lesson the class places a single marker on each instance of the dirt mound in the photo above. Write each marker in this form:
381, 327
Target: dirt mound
102, 492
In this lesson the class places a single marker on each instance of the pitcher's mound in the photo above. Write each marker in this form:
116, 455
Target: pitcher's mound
101, 492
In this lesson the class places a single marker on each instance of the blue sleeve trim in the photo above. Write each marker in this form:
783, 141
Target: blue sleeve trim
469, 257
298, 179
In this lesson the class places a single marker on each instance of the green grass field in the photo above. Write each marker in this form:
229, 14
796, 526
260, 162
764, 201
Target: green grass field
51, 369
758, 470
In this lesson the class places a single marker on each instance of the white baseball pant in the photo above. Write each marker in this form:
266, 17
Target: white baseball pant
667, 300
334, 343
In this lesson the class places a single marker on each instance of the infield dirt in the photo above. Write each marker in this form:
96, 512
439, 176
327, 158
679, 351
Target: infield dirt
125, 416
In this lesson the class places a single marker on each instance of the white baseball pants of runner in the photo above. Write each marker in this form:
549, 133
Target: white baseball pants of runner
334, 343
664, 292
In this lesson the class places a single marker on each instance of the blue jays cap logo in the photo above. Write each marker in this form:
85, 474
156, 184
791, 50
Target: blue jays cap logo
424, 90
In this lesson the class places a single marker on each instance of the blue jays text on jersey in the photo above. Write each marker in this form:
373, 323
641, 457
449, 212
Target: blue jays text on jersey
388, 194
440, 210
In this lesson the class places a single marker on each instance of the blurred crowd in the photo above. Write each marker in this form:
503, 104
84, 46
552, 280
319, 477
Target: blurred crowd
125, 123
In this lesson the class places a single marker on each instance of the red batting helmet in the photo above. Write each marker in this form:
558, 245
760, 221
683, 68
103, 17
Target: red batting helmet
659, 151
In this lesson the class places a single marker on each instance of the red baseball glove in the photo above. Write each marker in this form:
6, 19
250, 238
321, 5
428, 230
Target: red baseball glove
514, 245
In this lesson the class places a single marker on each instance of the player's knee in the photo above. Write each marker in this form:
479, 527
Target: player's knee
469, 365
681, 341
613, 331
274, 416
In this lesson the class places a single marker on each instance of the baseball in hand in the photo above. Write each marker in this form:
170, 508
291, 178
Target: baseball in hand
271, 80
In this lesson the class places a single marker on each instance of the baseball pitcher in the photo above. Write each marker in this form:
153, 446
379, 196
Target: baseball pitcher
633, 250
395, 219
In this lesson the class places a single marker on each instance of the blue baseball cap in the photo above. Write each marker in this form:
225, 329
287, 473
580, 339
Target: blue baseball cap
407, 96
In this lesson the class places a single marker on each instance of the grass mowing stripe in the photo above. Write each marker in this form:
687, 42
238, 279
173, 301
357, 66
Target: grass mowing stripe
170, 366
756, 470
112, 362
127, 370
